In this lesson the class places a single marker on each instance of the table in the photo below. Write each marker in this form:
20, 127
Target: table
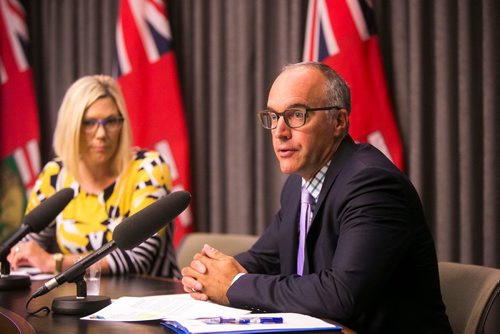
13, 312
111, 286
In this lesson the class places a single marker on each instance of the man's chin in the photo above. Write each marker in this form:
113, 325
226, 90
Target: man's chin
286, 169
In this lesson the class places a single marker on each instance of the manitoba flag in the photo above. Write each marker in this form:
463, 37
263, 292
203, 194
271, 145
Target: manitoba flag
19, 131
148, 78
341, 33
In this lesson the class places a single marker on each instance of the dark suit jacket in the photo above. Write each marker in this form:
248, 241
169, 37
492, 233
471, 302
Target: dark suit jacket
370, 263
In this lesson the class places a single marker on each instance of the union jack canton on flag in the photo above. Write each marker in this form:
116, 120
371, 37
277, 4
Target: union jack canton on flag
342, 34
147, 74
19, 130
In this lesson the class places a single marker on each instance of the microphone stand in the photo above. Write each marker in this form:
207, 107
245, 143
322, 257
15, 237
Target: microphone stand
8, 281
81, 304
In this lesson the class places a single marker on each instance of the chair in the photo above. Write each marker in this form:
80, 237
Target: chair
229, 244
11, 322
468, 294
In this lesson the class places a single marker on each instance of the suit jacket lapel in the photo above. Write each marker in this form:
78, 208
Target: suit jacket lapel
290, 235
337, 163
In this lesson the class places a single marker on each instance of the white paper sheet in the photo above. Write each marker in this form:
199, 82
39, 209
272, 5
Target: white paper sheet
34, 273
291, 322
177, 306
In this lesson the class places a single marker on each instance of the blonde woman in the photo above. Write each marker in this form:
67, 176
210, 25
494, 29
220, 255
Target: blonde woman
111, 181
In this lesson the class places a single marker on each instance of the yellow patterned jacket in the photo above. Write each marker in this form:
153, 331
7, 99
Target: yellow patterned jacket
88, 220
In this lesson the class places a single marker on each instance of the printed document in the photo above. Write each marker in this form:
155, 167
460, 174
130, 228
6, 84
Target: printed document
292, 322
176, 306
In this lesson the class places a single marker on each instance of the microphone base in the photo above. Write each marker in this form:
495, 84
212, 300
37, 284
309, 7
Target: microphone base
71, 305
11, 282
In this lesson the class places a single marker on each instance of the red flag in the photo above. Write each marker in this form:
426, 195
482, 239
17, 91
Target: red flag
341, 33
148, 78
19, 132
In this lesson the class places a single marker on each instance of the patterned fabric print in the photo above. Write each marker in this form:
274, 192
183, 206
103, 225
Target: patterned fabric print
314, 185
88, 221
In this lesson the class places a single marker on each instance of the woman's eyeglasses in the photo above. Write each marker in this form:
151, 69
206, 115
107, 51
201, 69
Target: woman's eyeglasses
110, 124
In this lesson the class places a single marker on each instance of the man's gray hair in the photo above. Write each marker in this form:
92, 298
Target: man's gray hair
337, 91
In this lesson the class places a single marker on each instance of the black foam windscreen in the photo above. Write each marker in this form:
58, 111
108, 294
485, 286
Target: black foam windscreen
38, 218
135, 229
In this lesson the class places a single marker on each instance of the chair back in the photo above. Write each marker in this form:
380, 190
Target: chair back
468, 294
229, 244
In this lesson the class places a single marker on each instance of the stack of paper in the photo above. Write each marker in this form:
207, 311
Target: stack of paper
292, 322
177, 306
182, 314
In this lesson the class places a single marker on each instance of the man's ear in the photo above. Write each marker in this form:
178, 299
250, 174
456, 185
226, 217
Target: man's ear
341, 122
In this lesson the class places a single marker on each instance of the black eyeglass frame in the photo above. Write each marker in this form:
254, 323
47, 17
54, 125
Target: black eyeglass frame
282, 114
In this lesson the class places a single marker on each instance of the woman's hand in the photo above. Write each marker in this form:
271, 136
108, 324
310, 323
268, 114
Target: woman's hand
30, 254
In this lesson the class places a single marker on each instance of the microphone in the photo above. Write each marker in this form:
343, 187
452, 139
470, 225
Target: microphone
39, 218
35, 221
131, 232
150, 220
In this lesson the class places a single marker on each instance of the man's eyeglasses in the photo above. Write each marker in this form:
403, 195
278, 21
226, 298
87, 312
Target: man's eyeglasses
110, 124
294, 117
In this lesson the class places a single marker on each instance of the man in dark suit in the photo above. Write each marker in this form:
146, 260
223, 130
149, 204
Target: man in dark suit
365, 256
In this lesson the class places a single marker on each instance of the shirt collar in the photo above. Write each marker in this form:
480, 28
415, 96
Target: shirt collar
315, 184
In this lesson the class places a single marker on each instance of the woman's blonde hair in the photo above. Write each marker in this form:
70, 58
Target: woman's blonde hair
77, 100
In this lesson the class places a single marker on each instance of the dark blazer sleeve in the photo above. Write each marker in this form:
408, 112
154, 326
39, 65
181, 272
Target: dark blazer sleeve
369, 218
272, 254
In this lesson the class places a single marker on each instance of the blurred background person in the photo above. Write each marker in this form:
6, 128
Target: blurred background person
111, 181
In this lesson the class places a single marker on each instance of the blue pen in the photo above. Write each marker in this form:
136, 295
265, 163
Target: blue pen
250, 320
267, 320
